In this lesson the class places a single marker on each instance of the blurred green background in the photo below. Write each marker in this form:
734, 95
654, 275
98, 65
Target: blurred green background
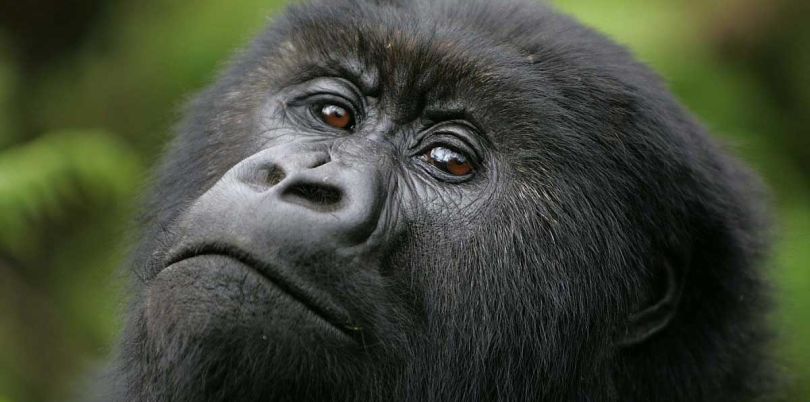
89, 90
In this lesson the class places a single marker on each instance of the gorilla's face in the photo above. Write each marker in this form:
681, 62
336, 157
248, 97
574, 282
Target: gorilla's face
364, 188
324, 214
415, 203
318, 242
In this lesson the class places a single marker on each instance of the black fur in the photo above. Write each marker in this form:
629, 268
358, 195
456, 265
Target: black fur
601, 194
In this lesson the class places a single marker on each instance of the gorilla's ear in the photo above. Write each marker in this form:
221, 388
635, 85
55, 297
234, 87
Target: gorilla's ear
653, 318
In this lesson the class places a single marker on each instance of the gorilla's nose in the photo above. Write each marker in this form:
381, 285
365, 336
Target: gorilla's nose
306, 181
283, 201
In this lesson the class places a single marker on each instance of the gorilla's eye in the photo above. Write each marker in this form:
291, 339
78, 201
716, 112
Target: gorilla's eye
449, 161
335, 116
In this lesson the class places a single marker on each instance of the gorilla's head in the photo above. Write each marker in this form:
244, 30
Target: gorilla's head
451, 200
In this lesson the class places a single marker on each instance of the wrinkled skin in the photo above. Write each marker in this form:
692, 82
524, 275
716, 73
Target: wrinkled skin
517, 211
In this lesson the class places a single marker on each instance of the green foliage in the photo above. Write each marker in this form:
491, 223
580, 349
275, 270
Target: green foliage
6, 83
134, 78
50, 189
39, 181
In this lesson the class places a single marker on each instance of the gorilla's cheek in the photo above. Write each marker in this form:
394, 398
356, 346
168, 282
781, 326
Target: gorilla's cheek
212, 297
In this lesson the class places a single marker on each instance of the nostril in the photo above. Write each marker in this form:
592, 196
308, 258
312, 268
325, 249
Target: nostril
273, 175
319, 197
265, 177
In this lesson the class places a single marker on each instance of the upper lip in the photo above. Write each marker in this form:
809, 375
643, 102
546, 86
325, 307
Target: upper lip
320, 306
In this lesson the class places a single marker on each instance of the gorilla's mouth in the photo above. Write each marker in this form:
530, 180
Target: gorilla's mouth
321, 306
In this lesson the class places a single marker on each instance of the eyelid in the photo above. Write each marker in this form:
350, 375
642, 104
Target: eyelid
460, 140
325, 98
335, 88
464, 120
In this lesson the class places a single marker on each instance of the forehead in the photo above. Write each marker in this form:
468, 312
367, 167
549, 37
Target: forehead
411, 60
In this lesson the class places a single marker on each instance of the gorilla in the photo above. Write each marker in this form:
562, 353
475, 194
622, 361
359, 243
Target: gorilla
451, 200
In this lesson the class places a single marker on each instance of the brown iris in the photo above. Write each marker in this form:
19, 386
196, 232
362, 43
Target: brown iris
336, 116
450, 161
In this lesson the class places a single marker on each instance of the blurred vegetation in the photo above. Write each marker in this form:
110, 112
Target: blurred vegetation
89, 90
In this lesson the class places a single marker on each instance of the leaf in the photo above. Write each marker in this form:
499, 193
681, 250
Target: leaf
45, 179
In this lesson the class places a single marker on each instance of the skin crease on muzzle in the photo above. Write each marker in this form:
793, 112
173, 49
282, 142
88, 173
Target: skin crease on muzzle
444, 201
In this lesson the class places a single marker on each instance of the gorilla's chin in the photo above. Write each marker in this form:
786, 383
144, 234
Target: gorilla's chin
206, 297
210, 319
